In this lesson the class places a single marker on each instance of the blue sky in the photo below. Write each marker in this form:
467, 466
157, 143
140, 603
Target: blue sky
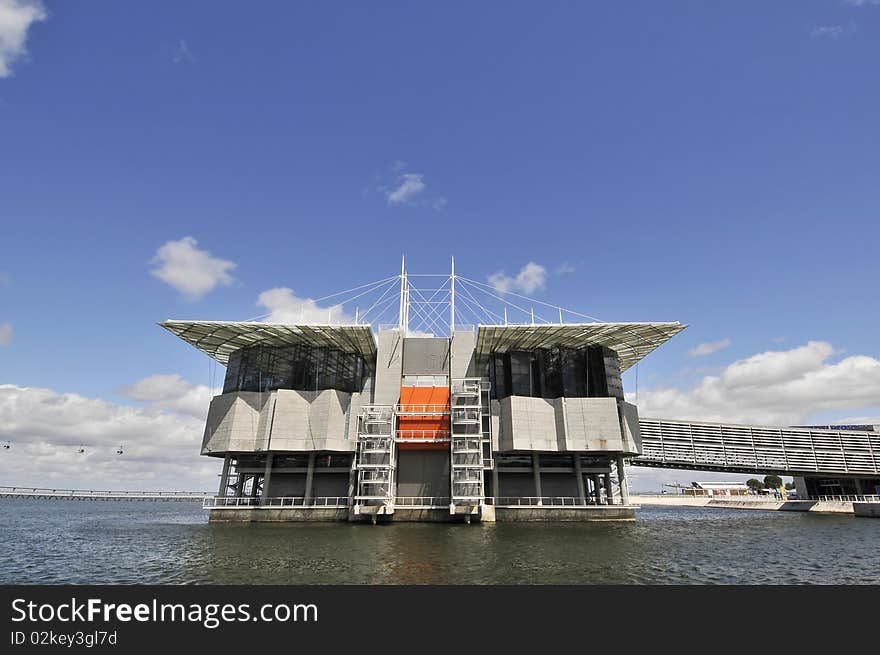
714, 164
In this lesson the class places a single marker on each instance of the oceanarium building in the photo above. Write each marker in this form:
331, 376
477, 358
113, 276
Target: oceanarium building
359, 420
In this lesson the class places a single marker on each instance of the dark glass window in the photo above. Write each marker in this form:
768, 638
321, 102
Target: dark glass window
304, 368
553, 372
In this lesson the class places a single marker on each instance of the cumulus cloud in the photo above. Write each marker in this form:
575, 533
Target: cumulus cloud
285, 307
531, 277
5, 334
409, 185
172, 393
773, 388
46, 428
188, 269
708, 348
16, 18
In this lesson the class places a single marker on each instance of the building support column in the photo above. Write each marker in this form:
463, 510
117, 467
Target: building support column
609, 491
860, 489
597, 494
579, 477
224, 476
310, 475
621, 477
496, 485
267, 476
239, 482
536, 470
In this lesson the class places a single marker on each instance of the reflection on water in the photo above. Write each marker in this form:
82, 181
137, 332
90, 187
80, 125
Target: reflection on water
85, 542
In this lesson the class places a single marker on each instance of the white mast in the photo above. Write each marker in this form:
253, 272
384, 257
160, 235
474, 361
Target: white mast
403, 319
452, 300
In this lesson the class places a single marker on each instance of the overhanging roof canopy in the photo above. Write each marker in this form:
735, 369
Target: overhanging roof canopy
631, 341
219, 339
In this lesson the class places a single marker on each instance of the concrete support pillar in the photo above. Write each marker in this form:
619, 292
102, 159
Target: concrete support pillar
267, 476
239, 483
496, 485
621, 476
536, 469
310, 475
860, 487
579, 477
597, 494
609, 492
224, 476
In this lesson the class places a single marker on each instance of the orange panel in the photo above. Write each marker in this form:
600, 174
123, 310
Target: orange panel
416, 427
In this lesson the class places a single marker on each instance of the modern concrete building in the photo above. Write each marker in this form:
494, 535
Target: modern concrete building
437, 421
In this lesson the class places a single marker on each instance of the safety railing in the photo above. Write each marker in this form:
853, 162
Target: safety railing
538, 501
422, 501
869, 498
415, 409
318, 502
423, 435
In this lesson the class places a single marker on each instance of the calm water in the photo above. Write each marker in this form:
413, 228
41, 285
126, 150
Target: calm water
133, 542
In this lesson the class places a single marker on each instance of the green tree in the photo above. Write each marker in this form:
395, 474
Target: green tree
789, 485
754, 485
772, 481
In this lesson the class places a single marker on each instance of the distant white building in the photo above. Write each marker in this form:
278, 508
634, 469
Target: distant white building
717, 489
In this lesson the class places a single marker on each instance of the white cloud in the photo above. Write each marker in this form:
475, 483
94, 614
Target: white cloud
409, 185
861, 3
833, 31
5, 334
182, 53
191, 271
16, 18
45, 428
708, 348
285, 307
773, 388
172, 393
530, 278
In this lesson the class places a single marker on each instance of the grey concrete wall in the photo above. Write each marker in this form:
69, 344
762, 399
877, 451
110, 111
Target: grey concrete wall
528, 424
283, 420
423, 473
234, 423
389, 360
629, 420
593, 424
462, 354
570, 424
329, 484
426, 356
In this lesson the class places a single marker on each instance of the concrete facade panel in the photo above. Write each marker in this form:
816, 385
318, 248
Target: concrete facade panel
389, 360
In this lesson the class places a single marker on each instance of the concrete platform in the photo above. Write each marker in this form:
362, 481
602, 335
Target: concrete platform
276, 514
539, 514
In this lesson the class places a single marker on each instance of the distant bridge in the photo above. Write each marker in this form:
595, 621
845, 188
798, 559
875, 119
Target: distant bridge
758, 449
91, 494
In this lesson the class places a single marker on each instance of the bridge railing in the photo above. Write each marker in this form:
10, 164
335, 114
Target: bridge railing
46, 492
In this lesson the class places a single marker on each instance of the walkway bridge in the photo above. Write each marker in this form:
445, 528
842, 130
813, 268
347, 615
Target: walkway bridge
91, 494
758, 449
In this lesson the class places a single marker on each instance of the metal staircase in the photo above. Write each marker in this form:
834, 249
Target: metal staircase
470, 445
376, 461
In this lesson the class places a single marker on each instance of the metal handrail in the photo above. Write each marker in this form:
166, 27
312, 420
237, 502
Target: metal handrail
418, 409
422, 501
317, 502
859, 498
423, 435
539, 501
